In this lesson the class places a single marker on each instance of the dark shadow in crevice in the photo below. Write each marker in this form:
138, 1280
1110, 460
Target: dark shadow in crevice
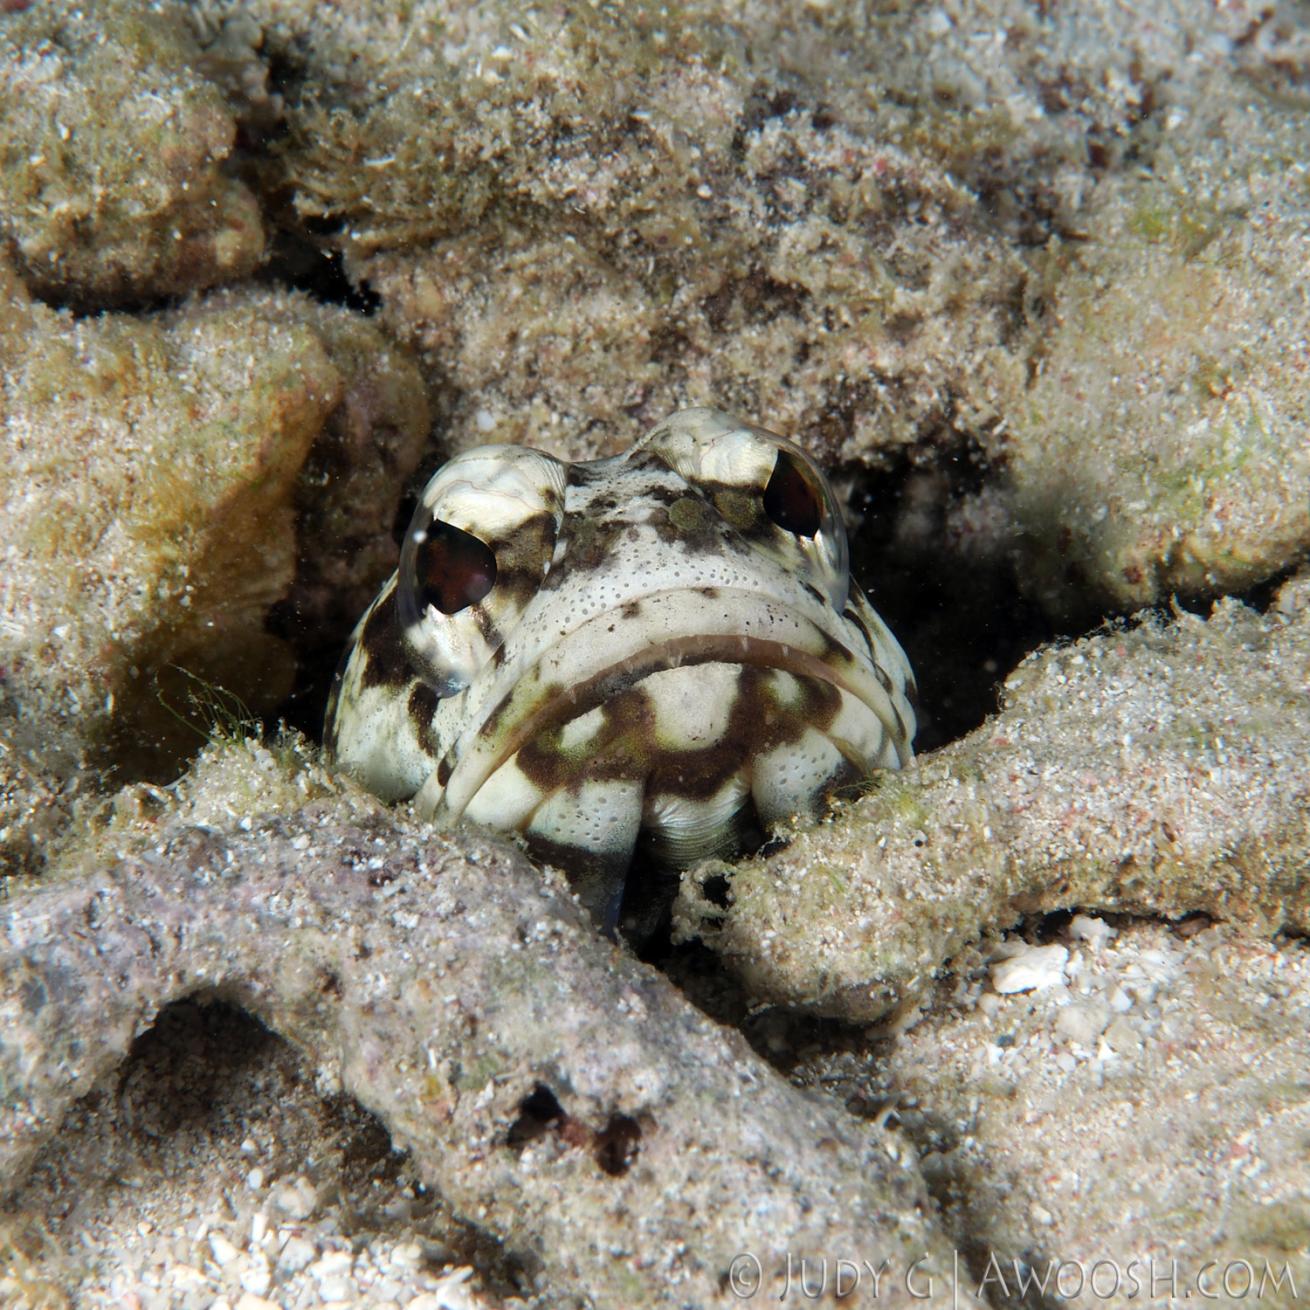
318, 661
320, 651
65, 299
208, 1093
614, 1147
933, 556
298, 263
1260, 596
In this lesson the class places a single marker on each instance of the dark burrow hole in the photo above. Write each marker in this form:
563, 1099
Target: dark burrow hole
64, 298
317, 661
1054, 926
938, 562
716, 890
537, 1111
949, 596
297, 262
617, 1144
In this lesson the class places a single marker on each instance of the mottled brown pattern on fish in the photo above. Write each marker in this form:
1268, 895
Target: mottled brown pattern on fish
422, 706
711, 542
857, 623
386, 665
626, 745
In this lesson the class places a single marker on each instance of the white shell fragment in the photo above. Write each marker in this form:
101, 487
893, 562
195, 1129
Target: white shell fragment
1033, 970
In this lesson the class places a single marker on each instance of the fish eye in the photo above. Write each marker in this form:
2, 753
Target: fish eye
452, 568
791, 498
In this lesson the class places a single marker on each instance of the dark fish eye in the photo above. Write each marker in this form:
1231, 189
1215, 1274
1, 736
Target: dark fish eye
452, 568
791, 499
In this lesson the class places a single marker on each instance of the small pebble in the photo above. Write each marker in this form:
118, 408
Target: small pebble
295, 1255
332, 1262
407, 1255
256, 1277
223, 1251
1124, 1037
1082, 1022
1086, 928
297, 1199
185, 1275
249, 1301
1036, 969
332, 1274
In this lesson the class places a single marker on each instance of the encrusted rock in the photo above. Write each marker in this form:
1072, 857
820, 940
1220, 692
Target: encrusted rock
1169, 1153
111, 177
151, 501
562, 1097
1155, 769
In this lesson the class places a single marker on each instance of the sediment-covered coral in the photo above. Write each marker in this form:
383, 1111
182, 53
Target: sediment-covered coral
1155, 770
151, 497
562, 1097
1092, 1131
112, 185
584, 225
1060, 240
1162, 445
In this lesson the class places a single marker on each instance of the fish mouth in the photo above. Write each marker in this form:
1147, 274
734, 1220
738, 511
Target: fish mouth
671, 629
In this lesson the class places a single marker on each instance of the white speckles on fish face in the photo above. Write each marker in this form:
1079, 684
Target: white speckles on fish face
796, 768
666, 642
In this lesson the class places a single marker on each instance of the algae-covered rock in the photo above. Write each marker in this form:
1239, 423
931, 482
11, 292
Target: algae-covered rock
111, 179
34, 812
348, 488
1162, 445
1155, 430
562, 1097
1063, 242
151, 496
1158, 769
583, 224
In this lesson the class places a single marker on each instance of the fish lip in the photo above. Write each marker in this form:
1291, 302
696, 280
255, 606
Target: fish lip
552, 705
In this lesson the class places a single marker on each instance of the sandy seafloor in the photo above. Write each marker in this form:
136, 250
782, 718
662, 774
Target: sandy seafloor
213, 1173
